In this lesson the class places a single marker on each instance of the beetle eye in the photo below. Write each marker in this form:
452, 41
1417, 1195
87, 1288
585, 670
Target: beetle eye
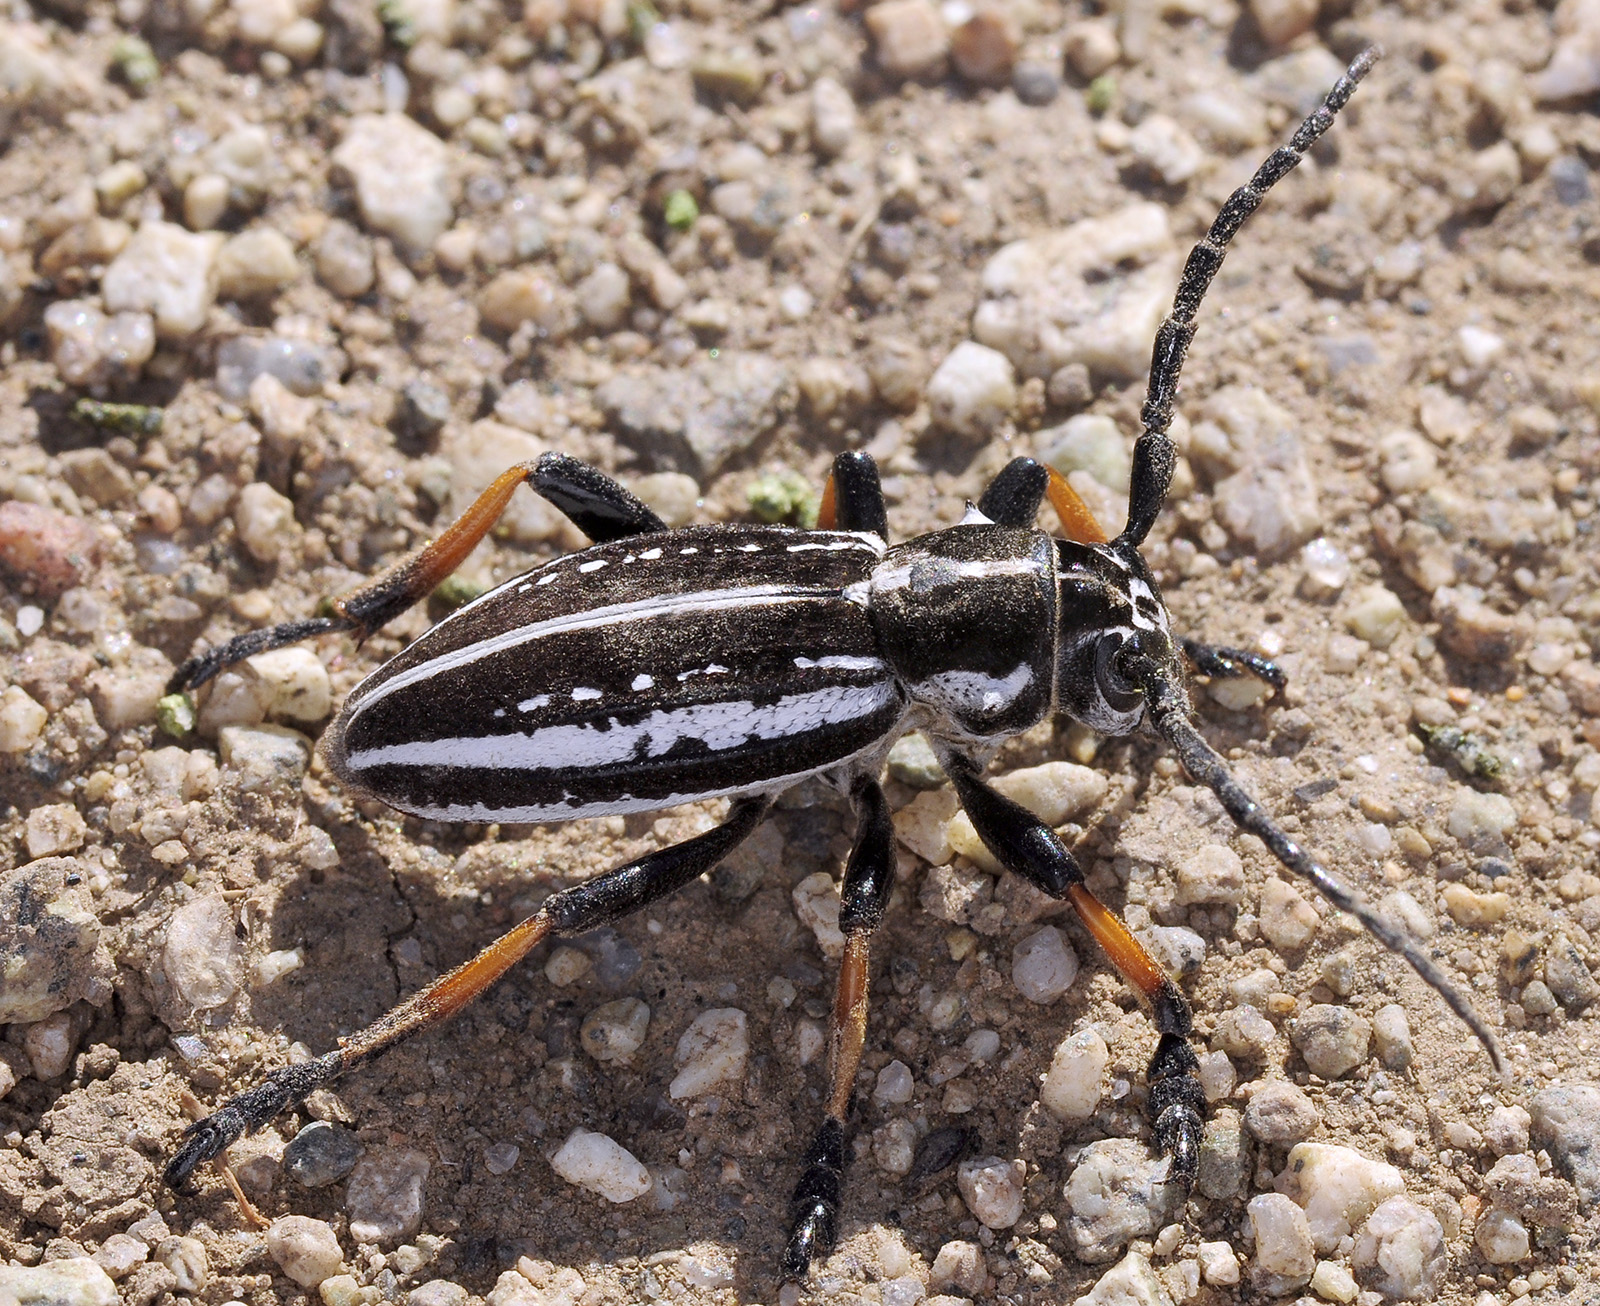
1120, 693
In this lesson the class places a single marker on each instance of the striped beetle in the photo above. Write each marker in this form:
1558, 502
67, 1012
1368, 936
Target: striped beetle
663, 667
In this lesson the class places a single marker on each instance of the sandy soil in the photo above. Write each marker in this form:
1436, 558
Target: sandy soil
1307, 310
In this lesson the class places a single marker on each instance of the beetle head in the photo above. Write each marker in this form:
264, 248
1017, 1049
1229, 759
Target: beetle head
1110, 611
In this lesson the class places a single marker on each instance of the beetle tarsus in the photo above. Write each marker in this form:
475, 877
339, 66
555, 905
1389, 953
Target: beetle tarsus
208, 665
248, 1112
815, 1203
1177, 1106
1232, 663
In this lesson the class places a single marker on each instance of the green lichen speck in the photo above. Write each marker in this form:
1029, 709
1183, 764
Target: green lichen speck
457, 591
680, 210
1470, 753
784, 497
175, 715
121, 419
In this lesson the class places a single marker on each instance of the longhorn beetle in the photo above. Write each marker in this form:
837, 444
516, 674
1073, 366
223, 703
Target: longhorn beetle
662, 667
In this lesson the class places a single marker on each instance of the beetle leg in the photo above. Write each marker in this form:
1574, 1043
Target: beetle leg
572, 911
592, 501
1026, 846
1231, 663
1014, 496
852, 499
596, 505
867, 881
1077, 522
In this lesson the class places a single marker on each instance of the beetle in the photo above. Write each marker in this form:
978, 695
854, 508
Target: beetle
662, 667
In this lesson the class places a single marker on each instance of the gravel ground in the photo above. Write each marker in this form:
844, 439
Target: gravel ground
363, 257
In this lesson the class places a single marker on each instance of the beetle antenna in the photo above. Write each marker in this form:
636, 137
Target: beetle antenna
1168, 707
1153, 454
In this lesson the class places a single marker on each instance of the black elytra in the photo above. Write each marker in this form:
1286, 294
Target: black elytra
661, 667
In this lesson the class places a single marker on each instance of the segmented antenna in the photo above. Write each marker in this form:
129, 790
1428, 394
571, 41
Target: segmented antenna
1153, 454
1168, 706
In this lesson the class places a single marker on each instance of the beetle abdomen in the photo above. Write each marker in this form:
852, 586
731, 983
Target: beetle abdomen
629, 677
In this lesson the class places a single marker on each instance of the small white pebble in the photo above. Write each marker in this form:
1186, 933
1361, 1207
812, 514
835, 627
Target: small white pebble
602, 1166
991, 1186
499, 1158
982, 1044
50, 1044
305, 1249
1284, 1256
1333, 1282
1501, 1237
1288, 921
1044, 965
1219, 1265
895, 1084
711, 1052
614, 1031
566, 966
973, 392
272, 967
816, 904
1073, 1086
1479, 347
1400, 1251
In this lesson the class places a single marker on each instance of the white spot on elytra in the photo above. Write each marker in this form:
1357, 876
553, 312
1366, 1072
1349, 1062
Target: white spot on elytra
749, 548
710, 669
650, 555
529, 704
840, 662
545, 580
832, 546
595, 565
689, 550
643, 682
583, 694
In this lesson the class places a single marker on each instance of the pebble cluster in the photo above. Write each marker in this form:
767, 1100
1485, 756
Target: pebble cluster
284, 285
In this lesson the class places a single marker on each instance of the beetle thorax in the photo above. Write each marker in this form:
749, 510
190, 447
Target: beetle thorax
966, 618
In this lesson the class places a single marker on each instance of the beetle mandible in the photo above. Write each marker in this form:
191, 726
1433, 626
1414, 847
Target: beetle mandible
662, 667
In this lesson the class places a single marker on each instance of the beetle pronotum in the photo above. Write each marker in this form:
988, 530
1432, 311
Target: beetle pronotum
657, 668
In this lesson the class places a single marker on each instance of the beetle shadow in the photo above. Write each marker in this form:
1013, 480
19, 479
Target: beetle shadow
491, 1095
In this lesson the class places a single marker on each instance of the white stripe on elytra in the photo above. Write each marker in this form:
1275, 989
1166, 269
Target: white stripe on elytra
612, 614
717, 726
